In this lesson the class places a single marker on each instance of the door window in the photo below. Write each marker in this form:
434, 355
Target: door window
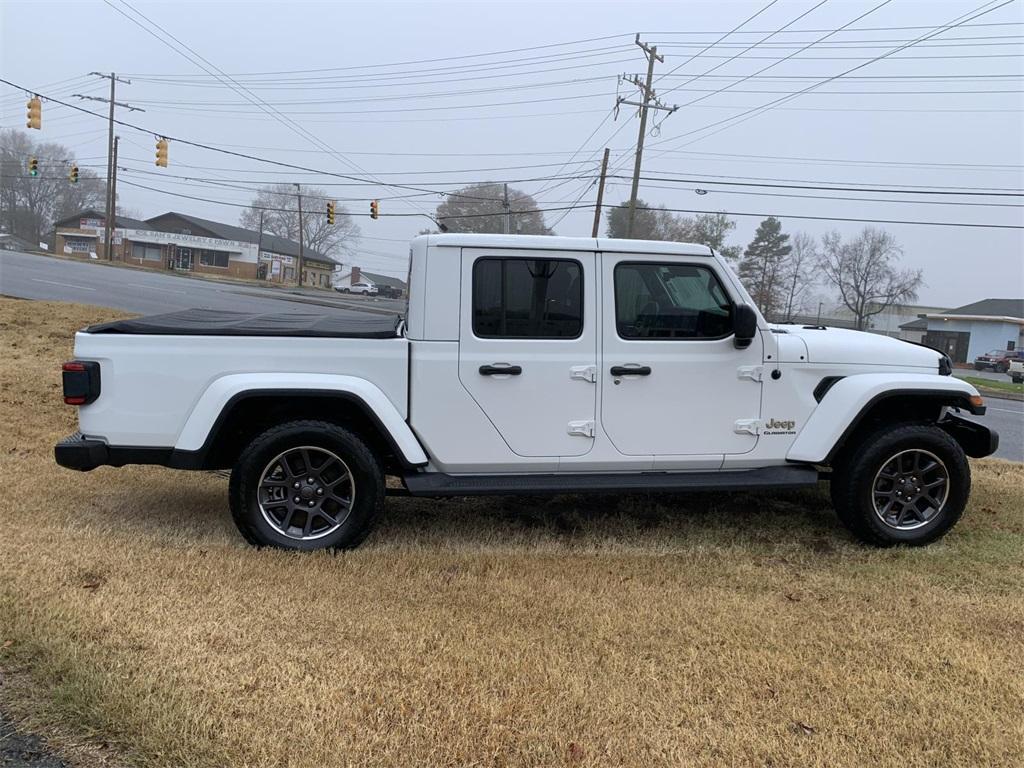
670, 301
527, 298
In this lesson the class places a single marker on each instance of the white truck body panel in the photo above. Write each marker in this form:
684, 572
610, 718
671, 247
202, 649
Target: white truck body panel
217, 396
826, 424
152, 384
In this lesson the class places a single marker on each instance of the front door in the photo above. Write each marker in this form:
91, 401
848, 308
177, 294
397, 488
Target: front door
183, 259
528, 347
673, 381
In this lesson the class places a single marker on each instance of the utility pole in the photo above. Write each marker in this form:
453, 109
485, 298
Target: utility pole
259, 247
508, 211
111, 201
648, 102
298, 193
600, 193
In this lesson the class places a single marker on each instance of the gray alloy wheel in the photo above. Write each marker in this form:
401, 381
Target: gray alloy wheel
910, 489
306, 493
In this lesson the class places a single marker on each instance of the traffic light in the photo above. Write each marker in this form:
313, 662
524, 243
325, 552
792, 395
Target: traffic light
35, 113
33, 166
73, 176
161, 152
330, 211
375, 209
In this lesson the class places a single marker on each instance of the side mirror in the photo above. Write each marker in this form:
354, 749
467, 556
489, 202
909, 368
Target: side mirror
744, 325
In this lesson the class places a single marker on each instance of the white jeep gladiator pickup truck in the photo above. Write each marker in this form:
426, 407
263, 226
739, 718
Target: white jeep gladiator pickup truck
529, 365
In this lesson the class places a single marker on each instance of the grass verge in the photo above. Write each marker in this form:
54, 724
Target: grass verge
739, 629
996, 387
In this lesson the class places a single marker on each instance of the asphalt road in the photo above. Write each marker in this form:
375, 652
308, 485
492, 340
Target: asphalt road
1007, 418
30, 276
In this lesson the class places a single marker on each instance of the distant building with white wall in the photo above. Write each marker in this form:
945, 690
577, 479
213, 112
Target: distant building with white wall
973, 329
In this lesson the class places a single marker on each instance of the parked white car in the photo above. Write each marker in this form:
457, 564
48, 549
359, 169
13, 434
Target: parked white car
530, 365
366, 289
1016, 371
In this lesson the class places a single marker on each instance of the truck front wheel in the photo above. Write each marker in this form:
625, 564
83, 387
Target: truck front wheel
905, 484
306, 485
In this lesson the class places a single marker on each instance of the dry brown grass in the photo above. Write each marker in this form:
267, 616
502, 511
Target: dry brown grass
711, 630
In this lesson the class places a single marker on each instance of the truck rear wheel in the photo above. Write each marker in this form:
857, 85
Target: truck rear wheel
306, 485
905, 484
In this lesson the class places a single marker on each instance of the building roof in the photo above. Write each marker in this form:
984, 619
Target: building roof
991, 307
921, 324
269, 242
393, 282
124, 222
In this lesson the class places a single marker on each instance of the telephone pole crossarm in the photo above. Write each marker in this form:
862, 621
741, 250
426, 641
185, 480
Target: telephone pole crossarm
648, 102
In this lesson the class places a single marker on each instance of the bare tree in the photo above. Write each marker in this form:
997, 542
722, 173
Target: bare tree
29, 206
279, 205
797, 276
480, 208
656, 223
864, 273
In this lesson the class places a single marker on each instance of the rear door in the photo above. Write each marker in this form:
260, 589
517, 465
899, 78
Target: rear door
528, 346
673, 381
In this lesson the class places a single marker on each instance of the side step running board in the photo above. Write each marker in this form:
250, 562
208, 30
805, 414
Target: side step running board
440, 484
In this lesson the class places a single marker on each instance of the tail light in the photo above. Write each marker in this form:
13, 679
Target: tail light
81, 381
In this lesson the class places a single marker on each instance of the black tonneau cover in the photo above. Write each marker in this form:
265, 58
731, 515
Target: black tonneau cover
215, 322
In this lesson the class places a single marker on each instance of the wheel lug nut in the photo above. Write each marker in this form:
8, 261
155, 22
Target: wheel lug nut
296, 485
309, 479
319, 491
297, 499
312, 503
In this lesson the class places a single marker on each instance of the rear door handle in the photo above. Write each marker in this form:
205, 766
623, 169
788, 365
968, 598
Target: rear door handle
500, 369
630, 370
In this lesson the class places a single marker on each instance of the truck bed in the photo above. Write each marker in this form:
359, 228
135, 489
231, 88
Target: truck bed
213, 322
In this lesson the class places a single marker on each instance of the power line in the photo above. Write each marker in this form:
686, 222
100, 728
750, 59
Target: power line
733, 120
671, 210
892, 189
425, 61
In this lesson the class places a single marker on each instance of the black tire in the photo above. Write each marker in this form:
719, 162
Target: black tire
1002, 368
366, 477
978, 366
857, 469
1017, 379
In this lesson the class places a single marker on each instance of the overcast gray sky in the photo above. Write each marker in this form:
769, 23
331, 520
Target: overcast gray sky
946, 113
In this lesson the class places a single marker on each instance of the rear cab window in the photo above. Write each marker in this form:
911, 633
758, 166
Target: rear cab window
519, 298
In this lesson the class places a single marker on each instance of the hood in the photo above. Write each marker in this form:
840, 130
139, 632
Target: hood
838, 345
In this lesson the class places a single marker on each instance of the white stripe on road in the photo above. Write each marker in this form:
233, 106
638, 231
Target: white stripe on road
66, 285
1005, 410
154, 288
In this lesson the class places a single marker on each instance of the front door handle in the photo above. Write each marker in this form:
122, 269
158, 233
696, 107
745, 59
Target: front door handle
500, 369
631, 370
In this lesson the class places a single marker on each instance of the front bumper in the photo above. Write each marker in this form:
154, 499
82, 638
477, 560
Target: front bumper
79, 452
976, 439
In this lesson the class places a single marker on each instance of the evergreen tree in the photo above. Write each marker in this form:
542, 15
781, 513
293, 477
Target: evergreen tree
763, 266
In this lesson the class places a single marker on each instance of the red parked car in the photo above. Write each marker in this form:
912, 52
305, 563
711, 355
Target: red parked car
998, 360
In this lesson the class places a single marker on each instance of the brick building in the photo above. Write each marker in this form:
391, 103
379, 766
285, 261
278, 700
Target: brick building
179, 242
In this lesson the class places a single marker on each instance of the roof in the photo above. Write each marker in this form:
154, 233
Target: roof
545, 242
992, 307
393, 282
920, 324
269, 242
124, 222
